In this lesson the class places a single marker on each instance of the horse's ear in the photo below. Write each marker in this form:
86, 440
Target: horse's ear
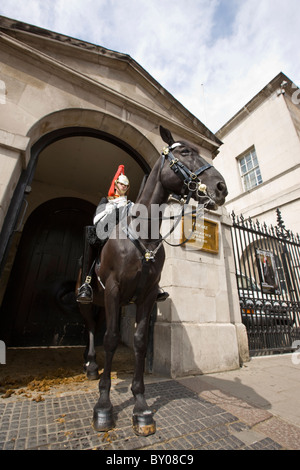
166, 135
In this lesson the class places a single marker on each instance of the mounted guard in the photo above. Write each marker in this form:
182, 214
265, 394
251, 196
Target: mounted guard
120, 276
110, 210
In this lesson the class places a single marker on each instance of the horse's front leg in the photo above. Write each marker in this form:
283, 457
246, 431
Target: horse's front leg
143, 422
103, 410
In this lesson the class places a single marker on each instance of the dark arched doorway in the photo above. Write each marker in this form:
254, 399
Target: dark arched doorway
39, 307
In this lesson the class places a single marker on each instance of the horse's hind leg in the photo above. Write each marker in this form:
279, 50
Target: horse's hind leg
103, 410
143, 422
90, 363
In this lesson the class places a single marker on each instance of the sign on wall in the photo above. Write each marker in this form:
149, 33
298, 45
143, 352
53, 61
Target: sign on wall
205, 234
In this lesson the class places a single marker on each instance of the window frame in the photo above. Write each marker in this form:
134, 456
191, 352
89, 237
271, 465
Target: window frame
247, 181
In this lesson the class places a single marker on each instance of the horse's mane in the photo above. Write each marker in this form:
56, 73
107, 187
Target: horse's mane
189, 144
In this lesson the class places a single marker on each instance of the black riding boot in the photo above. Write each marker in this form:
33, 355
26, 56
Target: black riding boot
85, 291
161, 295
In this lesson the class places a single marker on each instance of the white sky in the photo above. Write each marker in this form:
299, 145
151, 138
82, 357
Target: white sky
211, 55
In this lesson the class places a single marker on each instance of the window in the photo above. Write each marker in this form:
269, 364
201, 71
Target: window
250, 171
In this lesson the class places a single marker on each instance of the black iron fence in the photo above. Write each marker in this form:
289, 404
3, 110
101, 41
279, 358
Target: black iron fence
267, 261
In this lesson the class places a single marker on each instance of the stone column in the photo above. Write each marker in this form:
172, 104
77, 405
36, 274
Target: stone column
12, 162
12, 150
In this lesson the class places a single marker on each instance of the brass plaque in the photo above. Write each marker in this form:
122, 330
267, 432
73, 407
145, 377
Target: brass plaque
202, 234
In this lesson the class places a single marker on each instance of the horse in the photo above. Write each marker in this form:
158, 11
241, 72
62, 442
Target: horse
130, 268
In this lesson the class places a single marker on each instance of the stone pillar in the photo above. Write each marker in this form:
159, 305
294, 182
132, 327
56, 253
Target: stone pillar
198, 329
11, 168
12, 162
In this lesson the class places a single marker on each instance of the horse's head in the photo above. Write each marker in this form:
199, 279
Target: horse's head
192, 175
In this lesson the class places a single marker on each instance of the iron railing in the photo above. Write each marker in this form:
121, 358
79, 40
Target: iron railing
267, 261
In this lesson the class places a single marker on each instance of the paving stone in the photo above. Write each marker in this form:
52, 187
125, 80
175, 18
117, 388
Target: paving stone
185, 422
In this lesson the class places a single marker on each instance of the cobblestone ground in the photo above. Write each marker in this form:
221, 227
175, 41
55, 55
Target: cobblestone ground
184, 422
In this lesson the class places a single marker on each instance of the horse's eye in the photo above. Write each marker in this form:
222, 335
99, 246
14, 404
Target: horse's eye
185, 151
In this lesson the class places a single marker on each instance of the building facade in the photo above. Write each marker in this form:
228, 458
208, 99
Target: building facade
260, 158
260, 155
71, 112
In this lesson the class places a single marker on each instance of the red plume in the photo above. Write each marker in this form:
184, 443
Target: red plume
120, 171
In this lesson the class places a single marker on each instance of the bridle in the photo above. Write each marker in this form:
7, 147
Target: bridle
191, 181
191, 184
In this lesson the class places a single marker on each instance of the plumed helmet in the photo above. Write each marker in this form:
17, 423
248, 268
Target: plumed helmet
118, 178
123, 179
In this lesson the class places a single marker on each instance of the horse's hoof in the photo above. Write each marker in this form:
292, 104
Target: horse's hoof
103, 419
92, 375
143, 424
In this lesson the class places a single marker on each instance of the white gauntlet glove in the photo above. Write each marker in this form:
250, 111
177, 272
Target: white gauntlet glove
108, 210
110, 207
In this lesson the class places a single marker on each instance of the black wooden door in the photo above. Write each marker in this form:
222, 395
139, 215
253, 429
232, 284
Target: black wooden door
39, 307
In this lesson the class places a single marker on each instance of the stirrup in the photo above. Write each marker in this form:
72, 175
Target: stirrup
85, 294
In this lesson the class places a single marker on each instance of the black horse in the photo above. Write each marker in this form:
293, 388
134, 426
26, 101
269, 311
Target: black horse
130, 268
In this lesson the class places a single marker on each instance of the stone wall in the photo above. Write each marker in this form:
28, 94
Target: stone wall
198, 329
